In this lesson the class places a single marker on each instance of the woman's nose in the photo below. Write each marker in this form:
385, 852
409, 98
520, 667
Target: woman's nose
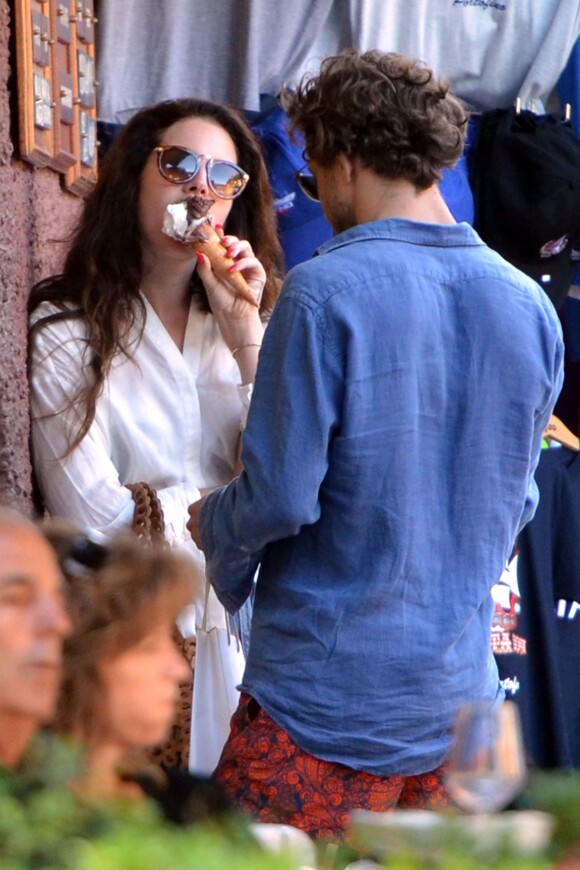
199, 181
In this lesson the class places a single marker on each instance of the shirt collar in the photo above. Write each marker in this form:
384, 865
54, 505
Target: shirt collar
411, 232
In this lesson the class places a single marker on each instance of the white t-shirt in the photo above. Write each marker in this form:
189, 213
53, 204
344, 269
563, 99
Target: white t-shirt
229, 50
491, 50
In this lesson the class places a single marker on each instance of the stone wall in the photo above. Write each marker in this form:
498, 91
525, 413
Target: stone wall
36, 215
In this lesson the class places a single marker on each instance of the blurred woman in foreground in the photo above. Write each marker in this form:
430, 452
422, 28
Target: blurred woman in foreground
122, 669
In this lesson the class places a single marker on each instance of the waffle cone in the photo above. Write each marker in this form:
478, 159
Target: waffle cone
213, 249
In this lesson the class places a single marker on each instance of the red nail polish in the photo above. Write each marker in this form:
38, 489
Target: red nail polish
200, 258
219, 226
229, 251
231, 268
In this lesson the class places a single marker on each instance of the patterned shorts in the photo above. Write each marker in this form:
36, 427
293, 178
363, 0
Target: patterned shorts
269, 777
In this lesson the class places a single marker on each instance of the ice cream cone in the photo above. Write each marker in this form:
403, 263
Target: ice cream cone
213, 249
188, 222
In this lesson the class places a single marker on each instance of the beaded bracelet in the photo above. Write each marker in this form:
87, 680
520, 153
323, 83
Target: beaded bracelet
148, 521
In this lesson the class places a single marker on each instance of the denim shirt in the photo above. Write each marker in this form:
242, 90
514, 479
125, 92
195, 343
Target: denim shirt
405, 380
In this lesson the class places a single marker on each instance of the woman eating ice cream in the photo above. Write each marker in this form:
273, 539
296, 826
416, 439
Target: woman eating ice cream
142, 357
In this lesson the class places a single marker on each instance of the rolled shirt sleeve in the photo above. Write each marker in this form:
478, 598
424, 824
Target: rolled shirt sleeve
295, 407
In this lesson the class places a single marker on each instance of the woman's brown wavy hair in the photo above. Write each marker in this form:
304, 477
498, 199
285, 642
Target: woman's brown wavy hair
112, 606
390, 112
102, 271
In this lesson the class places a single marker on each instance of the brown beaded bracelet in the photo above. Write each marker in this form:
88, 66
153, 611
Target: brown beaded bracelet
148, 521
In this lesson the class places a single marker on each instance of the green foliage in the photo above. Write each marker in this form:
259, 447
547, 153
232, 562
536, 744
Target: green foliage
53, 831
43, 826
455, 853
451, 841
38, 814
452, 859
557, 793
131, 848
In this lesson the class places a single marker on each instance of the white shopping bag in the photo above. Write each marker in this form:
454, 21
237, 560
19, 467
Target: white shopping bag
219, 667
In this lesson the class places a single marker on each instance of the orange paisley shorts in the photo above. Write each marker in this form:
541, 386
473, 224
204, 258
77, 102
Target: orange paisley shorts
269, 777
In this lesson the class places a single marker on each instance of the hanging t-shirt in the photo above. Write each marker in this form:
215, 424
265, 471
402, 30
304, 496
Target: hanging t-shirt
491, 50
536, 636
229, 51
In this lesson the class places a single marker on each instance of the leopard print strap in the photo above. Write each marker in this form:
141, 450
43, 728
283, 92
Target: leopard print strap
148, 522
174, 752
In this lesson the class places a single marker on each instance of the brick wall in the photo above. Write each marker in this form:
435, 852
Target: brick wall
35, 216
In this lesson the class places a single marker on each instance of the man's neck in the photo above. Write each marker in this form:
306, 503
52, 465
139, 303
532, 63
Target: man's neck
377, 198
16, 732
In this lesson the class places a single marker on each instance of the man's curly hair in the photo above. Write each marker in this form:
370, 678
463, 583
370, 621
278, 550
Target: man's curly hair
390, 112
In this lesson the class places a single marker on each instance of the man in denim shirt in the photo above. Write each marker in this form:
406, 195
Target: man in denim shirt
404, 383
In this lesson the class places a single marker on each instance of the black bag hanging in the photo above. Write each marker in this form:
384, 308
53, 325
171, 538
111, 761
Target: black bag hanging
525, 176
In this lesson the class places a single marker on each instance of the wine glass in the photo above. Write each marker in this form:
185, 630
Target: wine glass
486, 762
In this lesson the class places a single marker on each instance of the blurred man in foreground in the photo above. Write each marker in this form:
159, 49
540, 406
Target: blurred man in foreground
33, 624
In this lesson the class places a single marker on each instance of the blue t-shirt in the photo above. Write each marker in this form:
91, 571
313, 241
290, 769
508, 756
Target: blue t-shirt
405, 380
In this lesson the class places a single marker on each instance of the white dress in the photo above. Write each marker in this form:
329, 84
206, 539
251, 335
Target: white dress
169, 418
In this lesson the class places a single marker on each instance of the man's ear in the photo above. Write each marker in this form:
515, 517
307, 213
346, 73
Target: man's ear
346, 167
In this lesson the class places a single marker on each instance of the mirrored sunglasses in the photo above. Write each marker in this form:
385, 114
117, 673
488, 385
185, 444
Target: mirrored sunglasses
307, 184
179, 165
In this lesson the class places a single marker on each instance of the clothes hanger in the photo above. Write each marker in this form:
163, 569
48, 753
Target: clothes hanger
566, 113
556, 431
